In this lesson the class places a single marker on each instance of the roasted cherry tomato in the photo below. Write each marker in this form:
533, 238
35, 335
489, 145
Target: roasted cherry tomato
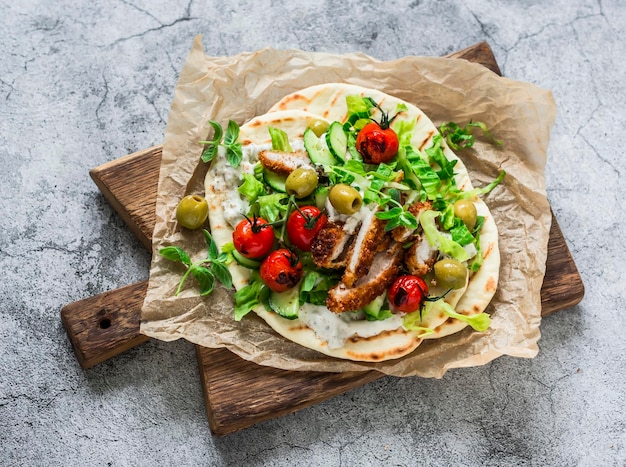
303, 226
377, 143
253, 238
281, 270
407, 294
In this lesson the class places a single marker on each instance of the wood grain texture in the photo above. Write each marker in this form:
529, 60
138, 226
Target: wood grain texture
105, 325
263, 393
130, 185
231, 384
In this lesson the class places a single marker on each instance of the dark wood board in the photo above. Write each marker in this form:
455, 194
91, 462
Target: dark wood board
105, 325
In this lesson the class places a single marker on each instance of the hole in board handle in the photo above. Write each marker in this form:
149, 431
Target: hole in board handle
105, 323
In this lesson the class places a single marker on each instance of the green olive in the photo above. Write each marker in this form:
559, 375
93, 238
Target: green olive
345, 199
465, 210
301, 182
450, 274
319, 127
192, 211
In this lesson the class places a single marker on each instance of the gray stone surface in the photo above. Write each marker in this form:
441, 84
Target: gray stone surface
85, 82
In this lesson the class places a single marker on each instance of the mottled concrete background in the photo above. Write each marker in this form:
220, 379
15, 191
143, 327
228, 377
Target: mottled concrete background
85, 82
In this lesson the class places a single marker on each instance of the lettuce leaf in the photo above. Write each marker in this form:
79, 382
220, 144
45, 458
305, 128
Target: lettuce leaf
412, 322
437, 239
479, 322
280, 141
250, 296
251, 188
272, 206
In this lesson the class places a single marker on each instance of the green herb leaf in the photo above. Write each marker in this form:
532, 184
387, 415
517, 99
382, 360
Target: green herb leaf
390, 214
218, 132
233, 149
234, 154
222, 274
232, 133
210, 151
174, 253
205, 278
213, 252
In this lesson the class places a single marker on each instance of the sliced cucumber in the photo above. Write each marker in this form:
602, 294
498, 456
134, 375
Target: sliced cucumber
318, 153
275, 180
321, 195
374, 310
286, 304
246, 262
337, 141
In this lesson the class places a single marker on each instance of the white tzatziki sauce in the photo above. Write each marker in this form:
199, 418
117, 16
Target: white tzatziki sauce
351, 221
335, 328
226, 179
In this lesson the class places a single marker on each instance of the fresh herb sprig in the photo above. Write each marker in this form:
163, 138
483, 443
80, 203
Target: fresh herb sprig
206, 270
396, 216
233, 148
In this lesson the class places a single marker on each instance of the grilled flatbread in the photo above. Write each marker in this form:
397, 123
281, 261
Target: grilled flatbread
349, 335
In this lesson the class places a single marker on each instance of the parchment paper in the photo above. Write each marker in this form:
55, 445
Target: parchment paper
242, 86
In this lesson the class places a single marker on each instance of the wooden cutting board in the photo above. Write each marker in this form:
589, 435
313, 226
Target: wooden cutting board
239, 393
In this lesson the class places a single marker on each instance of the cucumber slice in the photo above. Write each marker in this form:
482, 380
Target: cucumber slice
374, 310
321, 195
275, 180
246, 262
286, 304
337, 141
318, 153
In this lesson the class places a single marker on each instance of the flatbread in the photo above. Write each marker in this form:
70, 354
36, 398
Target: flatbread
375, 340
329, 102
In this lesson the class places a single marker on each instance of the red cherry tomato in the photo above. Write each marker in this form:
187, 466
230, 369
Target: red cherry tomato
253, 238
377, 143
303, 226
407, 293
281, 270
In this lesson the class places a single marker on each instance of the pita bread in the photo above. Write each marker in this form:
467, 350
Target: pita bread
361, 340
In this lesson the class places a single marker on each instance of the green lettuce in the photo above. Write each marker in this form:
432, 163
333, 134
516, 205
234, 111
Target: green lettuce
251, 188
249, 297
272, 206
437, 239
280, 141
479, 322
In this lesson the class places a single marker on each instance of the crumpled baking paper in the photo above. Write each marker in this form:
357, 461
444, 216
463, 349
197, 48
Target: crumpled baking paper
243, 86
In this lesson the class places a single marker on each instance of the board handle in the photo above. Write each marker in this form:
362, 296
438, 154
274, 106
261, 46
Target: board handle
105, 325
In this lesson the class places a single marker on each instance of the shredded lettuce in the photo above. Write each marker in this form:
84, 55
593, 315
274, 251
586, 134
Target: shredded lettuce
478, 322
484, 190
249, 297
359, 106
412, 322
435, 154
272, 206
314, 287
428, 178
280, 141
404, 130
437, 239
251, 188
460, 233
